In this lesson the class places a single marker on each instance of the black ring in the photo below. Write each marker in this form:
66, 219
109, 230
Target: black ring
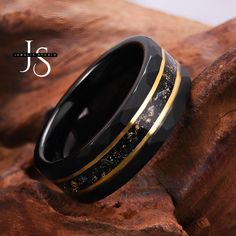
113, 119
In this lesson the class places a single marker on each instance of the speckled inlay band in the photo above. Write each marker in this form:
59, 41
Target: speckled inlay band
91, 176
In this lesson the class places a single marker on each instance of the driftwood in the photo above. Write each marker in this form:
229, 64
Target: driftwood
188, 188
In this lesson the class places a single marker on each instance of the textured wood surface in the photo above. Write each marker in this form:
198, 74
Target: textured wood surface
188, 188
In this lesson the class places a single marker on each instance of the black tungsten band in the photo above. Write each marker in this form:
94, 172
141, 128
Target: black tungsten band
113, 119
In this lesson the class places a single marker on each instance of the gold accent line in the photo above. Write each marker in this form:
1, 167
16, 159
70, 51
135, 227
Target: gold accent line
124, 131
155, 126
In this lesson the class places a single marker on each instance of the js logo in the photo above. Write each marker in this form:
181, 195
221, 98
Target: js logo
39, 54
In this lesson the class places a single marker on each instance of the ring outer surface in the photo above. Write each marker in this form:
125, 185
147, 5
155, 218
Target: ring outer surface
151, 65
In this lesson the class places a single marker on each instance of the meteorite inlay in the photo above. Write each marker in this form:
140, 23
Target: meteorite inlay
135, 136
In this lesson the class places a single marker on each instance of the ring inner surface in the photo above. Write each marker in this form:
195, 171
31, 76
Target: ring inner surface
93, 102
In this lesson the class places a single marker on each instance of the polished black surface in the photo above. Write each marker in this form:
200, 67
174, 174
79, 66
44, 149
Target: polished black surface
134, 134
88, 108
107, 125
53, 165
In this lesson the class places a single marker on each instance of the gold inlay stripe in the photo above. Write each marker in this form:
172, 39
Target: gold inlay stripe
155, 126
124, 131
